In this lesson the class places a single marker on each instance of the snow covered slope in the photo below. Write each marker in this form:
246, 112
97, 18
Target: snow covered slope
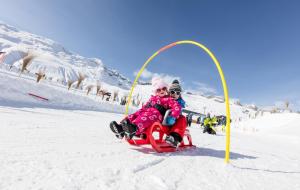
61, 144
16, 90
59, 64
68, 149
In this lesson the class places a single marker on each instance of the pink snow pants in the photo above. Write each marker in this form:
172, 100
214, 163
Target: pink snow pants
145, 118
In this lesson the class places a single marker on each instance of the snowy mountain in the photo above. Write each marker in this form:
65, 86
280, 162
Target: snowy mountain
62, 67
54, 60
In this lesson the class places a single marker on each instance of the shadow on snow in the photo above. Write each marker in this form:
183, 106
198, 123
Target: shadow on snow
196, 151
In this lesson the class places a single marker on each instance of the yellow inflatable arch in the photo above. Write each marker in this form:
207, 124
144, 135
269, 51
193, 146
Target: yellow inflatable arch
227, 152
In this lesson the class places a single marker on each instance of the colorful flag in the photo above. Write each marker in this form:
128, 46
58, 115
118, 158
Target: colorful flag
2, 55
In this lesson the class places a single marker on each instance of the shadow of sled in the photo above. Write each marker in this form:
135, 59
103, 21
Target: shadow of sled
195, 151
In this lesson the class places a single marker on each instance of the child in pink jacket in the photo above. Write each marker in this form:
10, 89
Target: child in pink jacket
153, 111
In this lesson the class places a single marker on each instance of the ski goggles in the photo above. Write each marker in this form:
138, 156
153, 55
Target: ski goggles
175, 92
161, 89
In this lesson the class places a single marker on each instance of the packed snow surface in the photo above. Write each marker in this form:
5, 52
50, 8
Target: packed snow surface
44, 148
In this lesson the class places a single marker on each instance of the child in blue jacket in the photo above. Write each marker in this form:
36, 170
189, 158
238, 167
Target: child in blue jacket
176, 134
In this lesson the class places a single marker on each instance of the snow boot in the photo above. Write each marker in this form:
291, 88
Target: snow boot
173, 139
129, 129
212, 132
209, 130
117, 129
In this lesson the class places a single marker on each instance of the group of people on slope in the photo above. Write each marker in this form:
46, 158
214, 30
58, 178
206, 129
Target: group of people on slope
153, 110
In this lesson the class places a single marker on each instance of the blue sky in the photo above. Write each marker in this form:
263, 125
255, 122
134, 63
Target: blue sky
256, 42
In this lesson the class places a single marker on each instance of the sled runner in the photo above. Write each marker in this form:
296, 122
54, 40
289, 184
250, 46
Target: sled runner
155, 135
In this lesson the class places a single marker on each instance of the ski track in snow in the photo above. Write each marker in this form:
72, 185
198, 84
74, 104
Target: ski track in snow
147, 165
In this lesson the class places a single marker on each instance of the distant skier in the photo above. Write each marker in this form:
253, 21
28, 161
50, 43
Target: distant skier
222, 121
209, 123
153, 111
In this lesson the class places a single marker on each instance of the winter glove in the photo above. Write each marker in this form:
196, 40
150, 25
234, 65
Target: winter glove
170, 120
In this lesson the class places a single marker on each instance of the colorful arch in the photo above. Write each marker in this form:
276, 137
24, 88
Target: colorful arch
227, 153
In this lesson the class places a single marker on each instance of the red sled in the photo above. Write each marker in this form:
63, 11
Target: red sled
155, 135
